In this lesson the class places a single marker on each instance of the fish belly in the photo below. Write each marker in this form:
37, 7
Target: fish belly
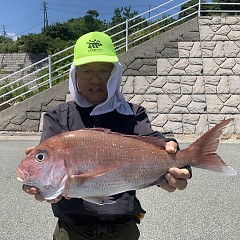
122, 179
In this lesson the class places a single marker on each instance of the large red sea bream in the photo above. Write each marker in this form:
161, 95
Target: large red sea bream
94, 164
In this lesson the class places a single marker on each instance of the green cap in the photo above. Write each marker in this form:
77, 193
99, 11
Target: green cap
94, 47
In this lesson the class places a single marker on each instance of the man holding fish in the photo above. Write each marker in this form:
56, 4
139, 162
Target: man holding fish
94, 82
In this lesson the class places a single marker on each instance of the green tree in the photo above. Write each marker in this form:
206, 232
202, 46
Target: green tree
93, 13
5, 40
78, 27
58, 30
210, 7
91, 21
34, 43
8, 45
191, 9
122, 14
228, 6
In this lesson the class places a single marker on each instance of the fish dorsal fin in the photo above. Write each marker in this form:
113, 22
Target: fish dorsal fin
160, 142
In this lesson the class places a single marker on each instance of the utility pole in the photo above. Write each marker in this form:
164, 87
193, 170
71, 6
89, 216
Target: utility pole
45, 18
4, 33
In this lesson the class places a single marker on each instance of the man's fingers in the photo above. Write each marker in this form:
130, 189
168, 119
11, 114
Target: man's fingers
55, 200
30, 190
171, 147
39, 197
67, 198
33, 191
167, 187
178, 183
180, 173
175, 179
28, 150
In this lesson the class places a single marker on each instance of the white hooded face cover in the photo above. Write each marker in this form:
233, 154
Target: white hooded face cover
115, 98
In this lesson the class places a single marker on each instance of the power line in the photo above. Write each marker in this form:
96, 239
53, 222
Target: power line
27, 27
25, 24
66, 11
74, 9
25, 31
25, 19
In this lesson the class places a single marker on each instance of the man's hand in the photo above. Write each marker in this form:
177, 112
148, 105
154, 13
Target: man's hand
171, 147
35, 191
28, 150
175, 178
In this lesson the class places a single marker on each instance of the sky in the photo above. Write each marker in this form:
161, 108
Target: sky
20, 17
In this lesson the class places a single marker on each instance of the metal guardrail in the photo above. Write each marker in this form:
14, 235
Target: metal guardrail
54, 68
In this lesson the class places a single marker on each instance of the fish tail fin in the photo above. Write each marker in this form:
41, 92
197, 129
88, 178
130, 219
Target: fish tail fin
204, 150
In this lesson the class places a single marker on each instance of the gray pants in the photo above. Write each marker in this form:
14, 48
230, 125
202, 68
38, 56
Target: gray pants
126, 231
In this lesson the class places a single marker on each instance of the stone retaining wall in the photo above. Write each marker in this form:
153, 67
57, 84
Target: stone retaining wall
187, 78
26, 116
13, 62
193, 81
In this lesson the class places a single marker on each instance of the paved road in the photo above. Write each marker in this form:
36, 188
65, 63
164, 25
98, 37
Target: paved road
208, 209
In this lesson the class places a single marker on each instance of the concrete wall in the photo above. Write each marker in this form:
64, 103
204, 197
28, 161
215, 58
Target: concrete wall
13, 62
187, 78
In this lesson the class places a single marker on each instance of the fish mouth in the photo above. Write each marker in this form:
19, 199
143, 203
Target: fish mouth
22, 175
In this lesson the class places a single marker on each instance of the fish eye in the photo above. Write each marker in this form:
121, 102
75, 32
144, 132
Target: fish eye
41, 156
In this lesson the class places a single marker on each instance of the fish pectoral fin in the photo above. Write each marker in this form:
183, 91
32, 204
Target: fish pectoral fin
106, 130
80, 178
100, 200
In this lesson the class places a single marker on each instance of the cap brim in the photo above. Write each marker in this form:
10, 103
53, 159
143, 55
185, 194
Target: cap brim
99, 58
